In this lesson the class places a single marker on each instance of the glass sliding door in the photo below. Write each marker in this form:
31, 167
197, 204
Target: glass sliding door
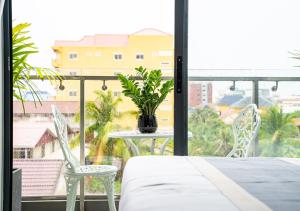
243, 52
90, 43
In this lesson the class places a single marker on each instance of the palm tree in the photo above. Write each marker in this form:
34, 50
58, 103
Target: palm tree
22, 49
211, 136
278, 125
100, 115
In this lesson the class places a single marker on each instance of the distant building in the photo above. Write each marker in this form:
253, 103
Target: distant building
44, 110
30, 96
290, 105
239, 99
110, 55
200, 94
231, 104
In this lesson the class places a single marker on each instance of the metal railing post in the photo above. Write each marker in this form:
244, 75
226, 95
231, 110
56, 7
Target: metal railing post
82, 139
255, 100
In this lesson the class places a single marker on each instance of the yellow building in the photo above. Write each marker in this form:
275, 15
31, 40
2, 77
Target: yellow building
111, 54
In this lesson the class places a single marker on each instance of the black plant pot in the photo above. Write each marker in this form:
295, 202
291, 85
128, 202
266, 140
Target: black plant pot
147, 123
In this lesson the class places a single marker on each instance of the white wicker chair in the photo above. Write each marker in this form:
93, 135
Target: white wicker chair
245, 130
74, 172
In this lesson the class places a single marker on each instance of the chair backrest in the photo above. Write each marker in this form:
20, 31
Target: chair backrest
245, 129
61, 128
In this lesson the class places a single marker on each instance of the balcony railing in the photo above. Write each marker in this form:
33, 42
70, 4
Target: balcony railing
82, 98
254, 80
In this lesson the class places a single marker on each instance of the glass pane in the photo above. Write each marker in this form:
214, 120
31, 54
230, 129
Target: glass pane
279, 133
36, 147
213, 106
98, 43
237, 41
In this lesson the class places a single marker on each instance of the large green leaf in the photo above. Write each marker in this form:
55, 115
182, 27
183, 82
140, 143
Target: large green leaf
22, 49
147, 93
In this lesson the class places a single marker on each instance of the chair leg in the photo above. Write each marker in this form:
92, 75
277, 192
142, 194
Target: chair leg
109, 186
71, 187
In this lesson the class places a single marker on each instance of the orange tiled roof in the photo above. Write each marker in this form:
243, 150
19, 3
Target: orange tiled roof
39, 176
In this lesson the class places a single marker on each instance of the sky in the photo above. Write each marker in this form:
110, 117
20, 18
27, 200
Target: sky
223, 34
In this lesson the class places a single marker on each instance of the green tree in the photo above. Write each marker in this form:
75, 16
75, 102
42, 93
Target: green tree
278, 126
100, 116
211, 136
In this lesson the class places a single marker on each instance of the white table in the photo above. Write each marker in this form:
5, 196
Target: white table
135, 134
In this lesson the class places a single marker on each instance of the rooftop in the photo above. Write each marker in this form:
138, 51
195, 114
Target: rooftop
66, 107
39, 176
27, 134
110, 40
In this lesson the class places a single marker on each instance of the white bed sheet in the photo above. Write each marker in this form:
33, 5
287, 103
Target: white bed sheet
156, 183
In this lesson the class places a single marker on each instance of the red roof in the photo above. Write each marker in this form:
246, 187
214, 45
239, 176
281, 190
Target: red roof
39, 176
28, 134
109, 40
66, 107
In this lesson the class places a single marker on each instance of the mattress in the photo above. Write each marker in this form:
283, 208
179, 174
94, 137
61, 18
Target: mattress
162, 183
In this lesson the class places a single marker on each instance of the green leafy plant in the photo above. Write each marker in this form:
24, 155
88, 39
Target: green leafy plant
22, 48
149, 93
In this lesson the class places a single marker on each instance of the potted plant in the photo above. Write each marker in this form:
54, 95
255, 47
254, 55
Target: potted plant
147, 93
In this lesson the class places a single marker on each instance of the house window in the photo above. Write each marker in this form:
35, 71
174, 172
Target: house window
72, 93
72, 55
19, 153
165, 63
118, 56
88, 53
97, 53
139, 56
43, 151
117, 93
117, 73
53, 145
29, 153
73, 73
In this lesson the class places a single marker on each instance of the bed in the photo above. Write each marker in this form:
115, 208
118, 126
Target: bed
163, 183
